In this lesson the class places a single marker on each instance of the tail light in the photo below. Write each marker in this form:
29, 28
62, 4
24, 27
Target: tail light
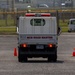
50, 45
29, 14
23, 45
46, 15
38, 14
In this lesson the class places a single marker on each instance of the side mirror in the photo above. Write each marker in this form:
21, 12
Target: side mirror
59, 31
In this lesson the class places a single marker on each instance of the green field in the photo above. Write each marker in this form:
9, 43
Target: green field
64, 25
8, 22
10, 28
7, 30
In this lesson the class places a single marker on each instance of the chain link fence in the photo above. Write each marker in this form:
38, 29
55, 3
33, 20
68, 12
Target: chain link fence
9, 19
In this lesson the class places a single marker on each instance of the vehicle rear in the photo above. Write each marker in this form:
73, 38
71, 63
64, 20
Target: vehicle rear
37, 36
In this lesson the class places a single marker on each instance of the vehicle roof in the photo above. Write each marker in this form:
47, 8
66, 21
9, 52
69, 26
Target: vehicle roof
43, 5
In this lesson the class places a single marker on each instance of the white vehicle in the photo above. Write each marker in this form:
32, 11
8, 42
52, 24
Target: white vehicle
71, 25
43, 6
37, 36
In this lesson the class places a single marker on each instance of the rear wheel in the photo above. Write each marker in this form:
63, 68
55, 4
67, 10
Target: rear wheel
49, 59
53, 57
21, 57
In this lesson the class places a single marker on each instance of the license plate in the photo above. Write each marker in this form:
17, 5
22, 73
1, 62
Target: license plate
39, 47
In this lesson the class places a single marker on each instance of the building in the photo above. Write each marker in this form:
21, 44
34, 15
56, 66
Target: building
73, 3
22, 4
50, 3
35, 3
3, 4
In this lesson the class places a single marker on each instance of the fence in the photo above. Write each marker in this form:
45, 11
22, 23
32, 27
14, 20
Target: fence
9, 19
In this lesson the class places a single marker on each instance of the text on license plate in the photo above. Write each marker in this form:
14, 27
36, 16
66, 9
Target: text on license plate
39, 47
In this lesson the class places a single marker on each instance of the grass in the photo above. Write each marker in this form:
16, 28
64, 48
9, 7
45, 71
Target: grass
10, 28
64, 25
9, 22
7, 30
64, 29
7, 26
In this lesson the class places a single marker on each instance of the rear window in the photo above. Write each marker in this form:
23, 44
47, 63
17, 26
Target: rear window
37, 22
73, 22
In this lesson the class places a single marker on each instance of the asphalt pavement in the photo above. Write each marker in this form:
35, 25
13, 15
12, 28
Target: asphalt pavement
65, 64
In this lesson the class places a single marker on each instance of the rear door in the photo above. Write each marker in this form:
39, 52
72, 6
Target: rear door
38, 25
40, 30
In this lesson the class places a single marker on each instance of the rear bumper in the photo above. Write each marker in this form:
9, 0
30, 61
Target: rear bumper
39, 54
31, 51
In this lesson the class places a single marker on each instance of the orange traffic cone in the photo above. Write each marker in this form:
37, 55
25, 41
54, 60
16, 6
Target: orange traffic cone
15, 52
74, 48
73, 52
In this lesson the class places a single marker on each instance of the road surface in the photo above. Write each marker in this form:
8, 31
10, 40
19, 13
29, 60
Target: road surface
65, 64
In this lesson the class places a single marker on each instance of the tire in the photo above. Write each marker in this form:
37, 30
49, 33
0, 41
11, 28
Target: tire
25, 58
21, 57
53, 57
49, 59
55, 60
